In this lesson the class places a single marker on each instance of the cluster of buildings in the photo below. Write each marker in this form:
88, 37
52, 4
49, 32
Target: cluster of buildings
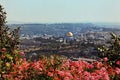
81, 44
28, 36
94, 37
87, 37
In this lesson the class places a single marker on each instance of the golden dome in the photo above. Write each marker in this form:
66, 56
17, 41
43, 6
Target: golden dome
70, 34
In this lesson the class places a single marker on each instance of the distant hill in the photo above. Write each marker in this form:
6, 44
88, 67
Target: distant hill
109, 25
61, 29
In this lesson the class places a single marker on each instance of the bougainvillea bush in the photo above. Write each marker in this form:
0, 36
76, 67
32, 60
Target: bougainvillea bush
59, 68
14, 67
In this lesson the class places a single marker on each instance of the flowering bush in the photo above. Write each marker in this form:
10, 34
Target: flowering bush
58, 68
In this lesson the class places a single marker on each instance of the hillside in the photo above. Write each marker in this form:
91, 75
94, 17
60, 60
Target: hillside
62, 28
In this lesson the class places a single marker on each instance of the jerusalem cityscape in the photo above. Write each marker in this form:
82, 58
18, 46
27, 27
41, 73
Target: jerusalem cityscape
59, 40
73, 45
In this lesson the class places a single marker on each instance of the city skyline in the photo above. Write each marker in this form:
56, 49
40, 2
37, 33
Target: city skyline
62, 11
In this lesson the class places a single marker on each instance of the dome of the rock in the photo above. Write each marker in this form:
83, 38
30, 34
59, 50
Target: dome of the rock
70, 34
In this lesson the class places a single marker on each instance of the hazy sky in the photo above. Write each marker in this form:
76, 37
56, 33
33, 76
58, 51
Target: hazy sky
52, 11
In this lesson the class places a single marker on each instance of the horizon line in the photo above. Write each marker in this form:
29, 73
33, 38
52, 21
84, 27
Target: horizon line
22, 22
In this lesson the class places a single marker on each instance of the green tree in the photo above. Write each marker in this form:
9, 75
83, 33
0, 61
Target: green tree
9, 41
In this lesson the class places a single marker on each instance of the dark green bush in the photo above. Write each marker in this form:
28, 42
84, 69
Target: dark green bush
112, 51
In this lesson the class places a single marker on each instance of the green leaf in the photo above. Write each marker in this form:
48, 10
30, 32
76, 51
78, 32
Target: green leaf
9, 56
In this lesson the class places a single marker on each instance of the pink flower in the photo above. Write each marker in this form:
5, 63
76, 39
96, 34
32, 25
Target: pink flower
68, 74
66, 78
16, 78
86, 73
50, 74
97, 65
3, 50
61, 73
4, 75
118, 62
21, 77
66, 64
75, 63
86, 76
26, 65
117, 70
20, 69
105, 59
2, 56
21, 53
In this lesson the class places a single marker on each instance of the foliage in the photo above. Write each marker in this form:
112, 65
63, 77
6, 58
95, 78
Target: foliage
9, 41
49, 69
111, 53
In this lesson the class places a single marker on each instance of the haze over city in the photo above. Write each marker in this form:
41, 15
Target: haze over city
62, 11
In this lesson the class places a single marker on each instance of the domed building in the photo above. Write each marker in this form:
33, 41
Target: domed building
68, 37
69, 34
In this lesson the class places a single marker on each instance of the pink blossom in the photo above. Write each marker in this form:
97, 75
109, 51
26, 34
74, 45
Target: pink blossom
66, 78
105, 59
61, 73
2, 56
50, 74
68, 74
66, 64
21, 53
86, 74
118, 62
75, 63
117, 70
3, 50
16, 78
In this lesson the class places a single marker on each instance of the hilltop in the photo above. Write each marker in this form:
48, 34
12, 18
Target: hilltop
60, 29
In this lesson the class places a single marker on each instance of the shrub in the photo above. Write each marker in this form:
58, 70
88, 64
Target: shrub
111, 53
9, 41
